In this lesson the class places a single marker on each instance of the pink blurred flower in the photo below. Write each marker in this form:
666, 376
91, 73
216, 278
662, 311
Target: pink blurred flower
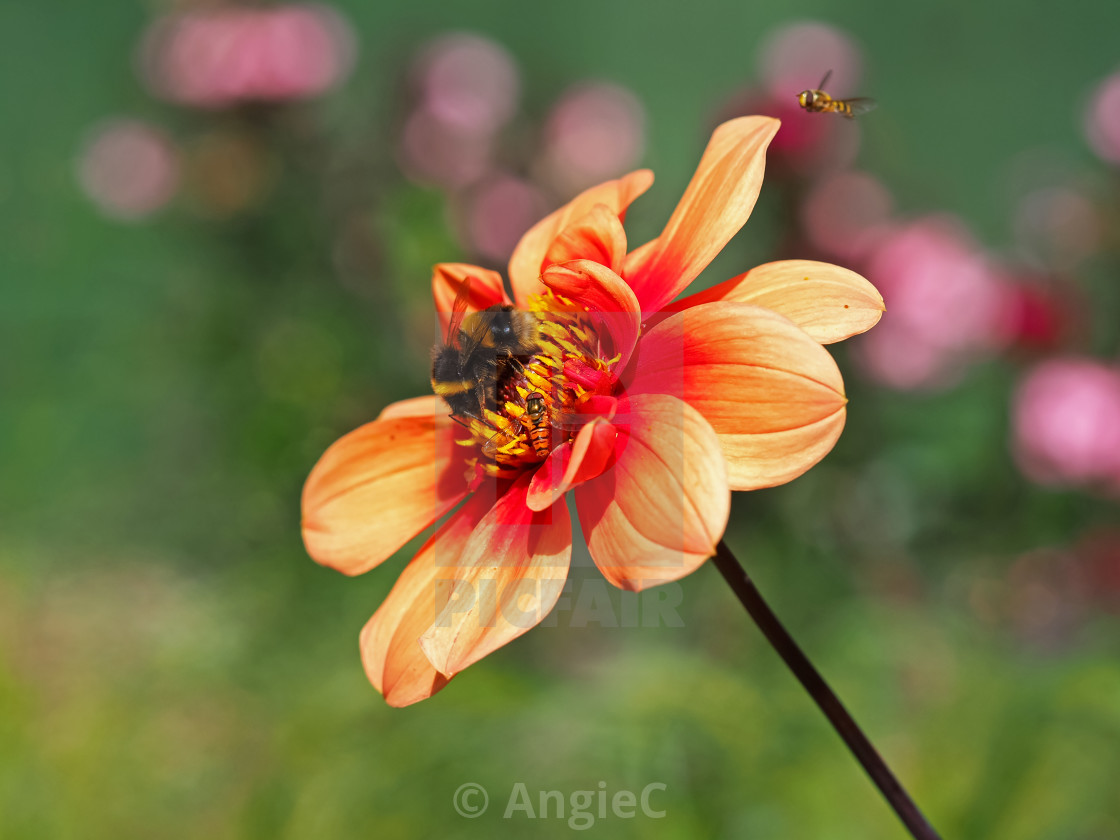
845, 212
1066, 419
946, 305
467, 83
497, 213
1039, 315
596, 131
1102, 119
219, 57
796, 56
431, 152
467, 89
128, 168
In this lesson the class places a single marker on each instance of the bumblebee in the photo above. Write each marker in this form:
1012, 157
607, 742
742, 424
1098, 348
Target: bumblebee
816, 101
478, 353
538, 424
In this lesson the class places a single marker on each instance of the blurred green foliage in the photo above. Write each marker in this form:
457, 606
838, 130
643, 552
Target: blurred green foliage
173, 665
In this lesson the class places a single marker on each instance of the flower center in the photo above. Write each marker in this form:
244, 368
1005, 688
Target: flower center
539, 399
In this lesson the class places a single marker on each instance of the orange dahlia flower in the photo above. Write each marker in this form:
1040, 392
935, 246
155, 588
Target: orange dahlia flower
649, 410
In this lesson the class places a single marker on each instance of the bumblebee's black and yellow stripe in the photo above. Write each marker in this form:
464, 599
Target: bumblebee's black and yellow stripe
468, 369
447, 381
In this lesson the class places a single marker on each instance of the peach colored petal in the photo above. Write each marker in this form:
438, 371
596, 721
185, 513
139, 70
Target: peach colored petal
829, 302
572, 463
390, 646
528, 260
657, 513
378, 487
447, 278
598, 237
610, 304
756, 461
773, 394
716, 204
428, 405
506, 580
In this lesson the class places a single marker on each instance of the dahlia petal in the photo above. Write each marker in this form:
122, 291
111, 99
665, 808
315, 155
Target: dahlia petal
598, 236
773, 395
757, 461
448, 278
660, 509
572, 463
428, 405
390, 646
829, 302
610, 304
599, 405
379, 486
507, 578
716, 204
528, 260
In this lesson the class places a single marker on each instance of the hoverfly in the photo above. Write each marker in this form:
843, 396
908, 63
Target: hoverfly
816, 101
540, 429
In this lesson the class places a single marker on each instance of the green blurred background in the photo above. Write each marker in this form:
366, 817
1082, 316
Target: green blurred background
172, 664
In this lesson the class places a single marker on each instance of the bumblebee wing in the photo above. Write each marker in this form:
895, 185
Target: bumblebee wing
861, 105
458, 310
472, 333
824, 81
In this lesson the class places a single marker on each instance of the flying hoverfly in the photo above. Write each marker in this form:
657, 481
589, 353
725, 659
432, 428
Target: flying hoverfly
816, 101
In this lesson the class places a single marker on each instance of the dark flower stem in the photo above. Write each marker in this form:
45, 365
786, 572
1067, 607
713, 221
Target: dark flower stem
741, 584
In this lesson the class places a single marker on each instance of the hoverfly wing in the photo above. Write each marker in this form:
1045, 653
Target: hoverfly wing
861, 105
458, 310
824, 81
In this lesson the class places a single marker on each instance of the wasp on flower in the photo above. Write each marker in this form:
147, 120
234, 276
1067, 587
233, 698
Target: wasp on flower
593, 378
